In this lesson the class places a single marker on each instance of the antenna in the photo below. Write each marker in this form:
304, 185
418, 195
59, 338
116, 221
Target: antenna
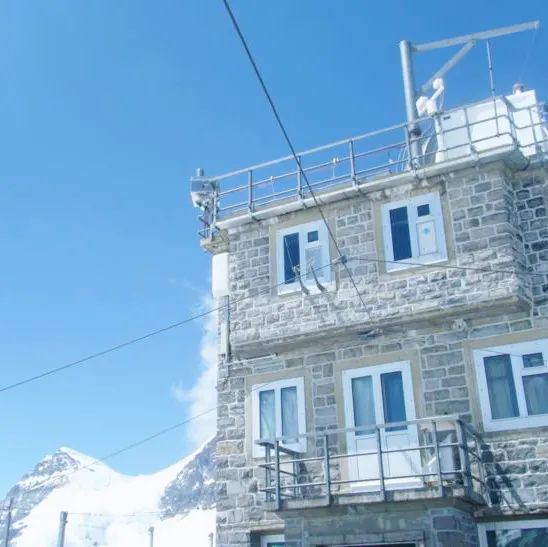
468, 41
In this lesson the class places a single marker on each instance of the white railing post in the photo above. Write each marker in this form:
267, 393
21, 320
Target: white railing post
465, 457
352, 162
250, 191
438, 459
327, 470
268, 470
381, 464
278, 486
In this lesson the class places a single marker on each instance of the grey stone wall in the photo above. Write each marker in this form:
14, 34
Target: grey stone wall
516, 465
498, 219
391, 523
484, 231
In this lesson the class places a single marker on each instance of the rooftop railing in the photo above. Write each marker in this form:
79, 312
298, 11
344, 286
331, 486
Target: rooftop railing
469, 131
416, 459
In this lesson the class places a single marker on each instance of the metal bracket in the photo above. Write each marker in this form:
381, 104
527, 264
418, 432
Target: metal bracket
321, 288
297, 272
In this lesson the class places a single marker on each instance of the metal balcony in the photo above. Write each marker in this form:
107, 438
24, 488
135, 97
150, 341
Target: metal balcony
442, 459
473, 132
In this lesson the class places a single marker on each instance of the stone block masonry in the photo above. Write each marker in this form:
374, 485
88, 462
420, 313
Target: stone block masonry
483, 229
431, 317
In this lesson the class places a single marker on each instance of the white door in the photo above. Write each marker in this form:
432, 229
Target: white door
381, 394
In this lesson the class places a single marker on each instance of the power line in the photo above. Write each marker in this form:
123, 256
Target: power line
212, 310
151, 437
178, 425
95, 355
106, 351
293, 150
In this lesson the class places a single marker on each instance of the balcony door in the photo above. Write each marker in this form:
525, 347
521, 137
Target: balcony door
381, 394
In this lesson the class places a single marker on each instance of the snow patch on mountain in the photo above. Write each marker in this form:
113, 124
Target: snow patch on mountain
109, 509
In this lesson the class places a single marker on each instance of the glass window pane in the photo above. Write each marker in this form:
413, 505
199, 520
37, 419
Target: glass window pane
512, 537
401, 240
533, 360
313, 257
267, 418
363, 403
426, 237
423, 210
290, 413
393, 399
312, 236
536, 393
501, 388
291, 256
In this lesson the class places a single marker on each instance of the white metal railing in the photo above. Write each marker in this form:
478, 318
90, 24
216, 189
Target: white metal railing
376, 154
446, 450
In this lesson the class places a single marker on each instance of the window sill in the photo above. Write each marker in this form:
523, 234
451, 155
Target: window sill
506, 424
295, 288
415, 264
259, 451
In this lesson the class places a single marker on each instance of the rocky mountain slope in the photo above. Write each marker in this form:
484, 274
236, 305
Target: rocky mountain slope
108, 509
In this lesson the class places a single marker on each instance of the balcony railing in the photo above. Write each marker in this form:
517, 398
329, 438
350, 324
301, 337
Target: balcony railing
417, 459
473, 131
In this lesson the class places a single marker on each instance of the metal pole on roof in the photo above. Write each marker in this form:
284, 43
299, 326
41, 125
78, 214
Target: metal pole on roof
409, 92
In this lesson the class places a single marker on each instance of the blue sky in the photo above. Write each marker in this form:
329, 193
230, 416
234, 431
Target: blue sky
106, 109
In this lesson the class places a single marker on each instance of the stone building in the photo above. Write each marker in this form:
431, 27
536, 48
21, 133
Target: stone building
383, 375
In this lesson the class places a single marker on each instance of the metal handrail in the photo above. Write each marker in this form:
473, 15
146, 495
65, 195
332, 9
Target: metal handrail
465, 471
355, 163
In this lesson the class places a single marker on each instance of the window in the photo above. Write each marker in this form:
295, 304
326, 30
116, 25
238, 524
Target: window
413, 231
303, 249
513, 385
533, 533
273, 540
279, 411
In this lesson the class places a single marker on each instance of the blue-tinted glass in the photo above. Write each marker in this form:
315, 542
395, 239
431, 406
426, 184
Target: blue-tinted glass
401, 240
501, 388
291, 256
364, 404
393, 399
491, 538
313, 236
423, 210
267, 418
533, 360
536, 393
512, 537
290, 414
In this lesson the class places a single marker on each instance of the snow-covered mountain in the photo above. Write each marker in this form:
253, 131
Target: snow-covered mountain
108, 509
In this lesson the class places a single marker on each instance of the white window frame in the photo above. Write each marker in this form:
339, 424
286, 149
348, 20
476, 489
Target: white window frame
436, 215
518, 372
323, 242
277, 386
272, 538
376, 371
485, 527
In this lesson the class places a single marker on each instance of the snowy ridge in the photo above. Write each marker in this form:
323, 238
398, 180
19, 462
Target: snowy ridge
109, 509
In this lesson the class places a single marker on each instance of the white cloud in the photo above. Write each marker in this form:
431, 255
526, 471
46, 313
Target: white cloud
202, 396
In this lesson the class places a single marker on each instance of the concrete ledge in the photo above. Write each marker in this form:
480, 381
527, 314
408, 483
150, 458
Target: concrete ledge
249, 349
